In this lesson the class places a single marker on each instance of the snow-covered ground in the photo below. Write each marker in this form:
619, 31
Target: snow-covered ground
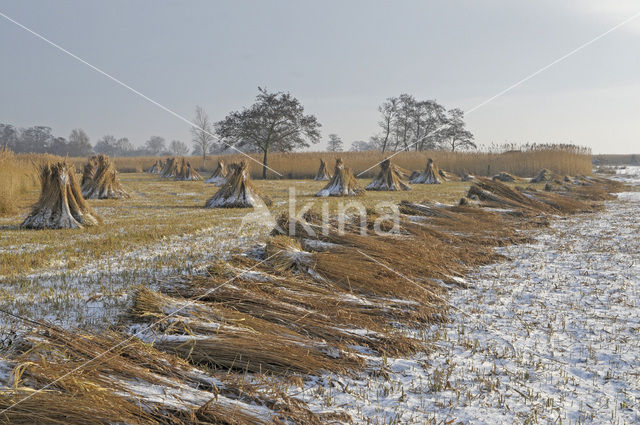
96, 294
550, 337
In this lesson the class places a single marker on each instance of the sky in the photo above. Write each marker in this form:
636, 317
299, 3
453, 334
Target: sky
340, 58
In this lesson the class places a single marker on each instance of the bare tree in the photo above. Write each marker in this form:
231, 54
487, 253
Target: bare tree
155, 145
455, 135
428, 120
334, 144
178, 148
202, 134
79, 144
389, 110
275, 122
8, 136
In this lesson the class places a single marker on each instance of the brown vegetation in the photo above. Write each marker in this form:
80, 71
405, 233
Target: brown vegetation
219, 175
323, 172
304, 165
430, 175
389, 178
61, 205
100, 180
186, 173
18, 176
237, 191
343, 182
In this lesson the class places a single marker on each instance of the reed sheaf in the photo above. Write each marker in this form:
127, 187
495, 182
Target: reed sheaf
525, 162
320, 297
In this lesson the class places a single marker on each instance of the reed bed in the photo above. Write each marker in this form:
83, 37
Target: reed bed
560, 159
18, 177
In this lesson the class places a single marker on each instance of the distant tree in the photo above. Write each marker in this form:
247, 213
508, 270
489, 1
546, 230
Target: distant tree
275, 122
107, 145
8, 136
388, 111
58, 146
155, 145
455, 135
123, 147
360, 146
114, 147
178, 148
407, 123
79, 144
34, 139
334, 144
428, 119
202, 134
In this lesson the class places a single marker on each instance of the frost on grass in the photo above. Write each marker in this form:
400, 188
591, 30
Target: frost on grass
552, 336
97, 293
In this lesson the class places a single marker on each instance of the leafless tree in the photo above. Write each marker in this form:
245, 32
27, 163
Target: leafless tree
275, 122
335, 143
178, 148
455, 135
202, 134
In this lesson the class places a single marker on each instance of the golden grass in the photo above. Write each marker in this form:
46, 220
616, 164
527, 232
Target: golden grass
304, 165
18, 176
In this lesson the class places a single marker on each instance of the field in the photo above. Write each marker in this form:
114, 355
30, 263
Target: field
162, 230
520, 309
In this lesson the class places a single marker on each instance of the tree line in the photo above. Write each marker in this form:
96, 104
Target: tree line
275, 122
40, 139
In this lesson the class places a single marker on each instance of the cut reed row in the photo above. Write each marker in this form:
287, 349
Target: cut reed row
323, 295
90, 379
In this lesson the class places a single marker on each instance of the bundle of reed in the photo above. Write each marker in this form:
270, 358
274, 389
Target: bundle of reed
155, 168
430, 175
117, 380
544, 175
448, 177
366, 264
219, 175
170, 168
186, 173
467, 176
389, 178
104, 184
238, 191
52, 407
321, 311
495, 194
89, 170
61, 204
467, 230
323, 172
222, 337
506, 177
564, 202
531, 201
343, 183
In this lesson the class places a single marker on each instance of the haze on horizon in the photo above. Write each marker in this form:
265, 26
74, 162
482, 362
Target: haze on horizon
341, 59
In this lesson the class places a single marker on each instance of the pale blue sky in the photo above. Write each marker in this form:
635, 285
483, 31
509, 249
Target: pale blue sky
340, 58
